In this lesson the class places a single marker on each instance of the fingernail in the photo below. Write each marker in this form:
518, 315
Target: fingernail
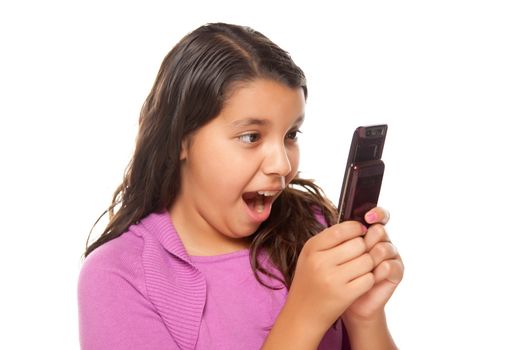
371, 216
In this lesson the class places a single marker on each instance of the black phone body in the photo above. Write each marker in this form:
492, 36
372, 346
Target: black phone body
363, 173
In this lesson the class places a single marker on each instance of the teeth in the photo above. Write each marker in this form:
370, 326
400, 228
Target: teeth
267, 193
259, 199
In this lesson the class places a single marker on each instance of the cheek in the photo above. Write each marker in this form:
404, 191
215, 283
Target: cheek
227, 169
207, 163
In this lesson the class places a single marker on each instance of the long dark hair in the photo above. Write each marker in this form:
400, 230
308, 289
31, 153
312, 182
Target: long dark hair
194, 81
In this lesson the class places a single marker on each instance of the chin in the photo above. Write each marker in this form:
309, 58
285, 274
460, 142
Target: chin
246, 232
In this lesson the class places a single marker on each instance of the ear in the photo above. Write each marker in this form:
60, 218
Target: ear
184, 148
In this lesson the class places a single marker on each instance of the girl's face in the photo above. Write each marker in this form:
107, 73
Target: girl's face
234, 167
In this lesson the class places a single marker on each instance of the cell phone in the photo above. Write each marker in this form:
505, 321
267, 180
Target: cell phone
363, 173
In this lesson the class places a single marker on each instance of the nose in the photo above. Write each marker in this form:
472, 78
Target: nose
277, 161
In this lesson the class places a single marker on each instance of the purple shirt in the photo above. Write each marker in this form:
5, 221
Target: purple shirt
142, 291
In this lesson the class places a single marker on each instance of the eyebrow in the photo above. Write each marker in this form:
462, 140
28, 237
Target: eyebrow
299, 120
249, 122
259, 122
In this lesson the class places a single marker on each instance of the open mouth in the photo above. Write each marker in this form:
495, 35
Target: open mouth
259, 200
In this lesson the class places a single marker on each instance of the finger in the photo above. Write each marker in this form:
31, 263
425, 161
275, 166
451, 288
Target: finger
357, 267
383, 251
386, 279
346, 251
336, 234
377, 215
375, 234
379, 294
390, 270
359, 286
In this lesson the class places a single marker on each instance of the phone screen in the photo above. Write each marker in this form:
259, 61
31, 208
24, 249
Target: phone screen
363, 174
367, 188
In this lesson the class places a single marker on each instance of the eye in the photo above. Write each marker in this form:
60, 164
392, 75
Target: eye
292, 135
250, 138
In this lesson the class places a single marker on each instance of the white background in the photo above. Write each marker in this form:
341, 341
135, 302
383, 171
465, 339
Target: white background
447, 76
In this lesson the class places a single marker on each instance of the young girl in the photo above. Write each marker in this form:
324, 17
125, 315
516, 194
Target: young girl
214, 242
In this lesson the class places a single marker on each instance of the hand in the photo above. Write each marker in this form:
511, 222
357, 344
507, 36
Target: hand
388, 270
333, 270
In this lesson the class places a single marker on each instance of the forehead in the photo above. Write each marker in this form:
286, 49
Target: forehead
263, 101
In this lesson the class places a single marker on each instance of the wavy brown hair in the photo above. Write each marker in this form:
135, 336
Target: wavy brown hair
194, 81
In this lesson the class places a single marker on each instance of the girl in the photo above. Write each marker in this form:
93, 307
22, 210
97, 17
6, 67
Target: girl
214, 242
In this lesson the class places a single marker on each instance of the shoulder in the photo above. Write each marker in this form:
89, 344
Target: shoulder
122, 254
319, 216
113, 268
114, 308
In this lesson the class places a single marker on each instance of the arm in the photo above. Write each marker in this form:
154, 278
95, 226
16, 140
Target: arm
291, 332
369, 334
113, 311
365, 319
340, 273
332, 271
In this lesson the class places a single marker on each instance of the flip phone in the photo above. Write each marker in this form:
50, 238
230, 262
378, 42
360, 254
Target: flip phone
363, 173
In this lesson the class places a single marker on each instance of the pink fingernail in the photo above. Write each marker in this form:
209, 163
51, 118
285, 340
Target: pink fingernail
371, 216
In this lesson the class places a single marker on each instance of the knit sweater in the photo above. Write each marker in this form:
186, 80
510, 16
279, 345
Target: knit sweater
143, 291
